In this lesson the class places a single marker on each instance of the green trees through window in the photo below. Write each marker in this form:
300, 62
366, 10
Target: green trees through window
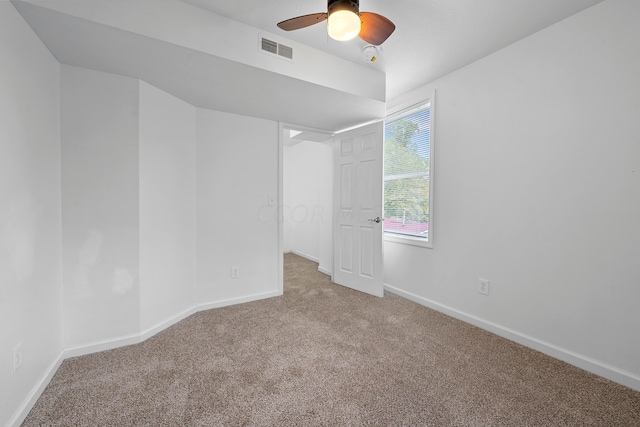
407, 161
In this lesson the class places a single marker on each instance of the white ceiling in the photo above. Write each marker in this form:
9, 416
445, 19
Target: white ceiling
433, 38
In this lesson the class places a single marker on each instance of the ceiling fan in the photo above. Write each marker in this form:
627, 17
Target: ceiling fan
345, 21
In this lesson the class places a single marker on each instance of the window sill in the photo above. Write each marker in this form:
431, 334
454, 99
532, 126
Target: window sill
407, 240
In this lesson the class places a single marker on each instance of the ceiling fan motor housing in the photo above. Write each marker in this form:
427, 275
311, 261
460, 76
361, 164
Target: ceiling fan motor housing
351, 5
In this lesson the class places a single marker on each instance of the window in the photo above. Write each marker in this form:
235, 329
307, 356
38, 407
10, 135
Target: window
407, 176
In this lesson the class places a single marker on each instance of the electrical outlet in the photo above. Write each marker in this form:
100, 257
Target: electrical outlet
17, 357
235, 272
483, 288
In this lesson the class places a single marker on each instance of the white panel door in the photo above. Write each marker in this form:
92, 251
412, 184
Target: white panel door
357, 233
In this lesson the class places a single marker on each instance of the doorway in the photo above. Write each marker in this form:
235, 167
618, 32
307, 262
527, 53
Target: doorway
331, 203
307, 192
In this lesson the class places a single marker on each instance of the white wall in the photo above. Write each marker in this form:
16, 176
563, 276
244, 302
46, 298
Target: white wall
226, 38
287, 197
537, 177
167, 206
100, 233
30, 258
129, 204
237, 172
309, 179
129, 208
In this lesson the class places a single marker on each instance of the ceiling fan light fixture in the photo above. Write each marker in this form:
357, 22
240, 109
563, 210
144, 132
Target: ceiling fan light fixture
343, 22
343, 25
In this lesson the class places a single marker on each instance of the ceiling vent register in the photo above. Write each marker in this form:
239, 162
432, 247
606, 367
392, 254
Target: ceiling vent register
276, 48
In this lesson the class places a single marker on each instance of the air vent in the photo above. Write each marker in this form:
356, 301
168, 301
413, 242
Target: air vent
285, 51
269, 46
276, 48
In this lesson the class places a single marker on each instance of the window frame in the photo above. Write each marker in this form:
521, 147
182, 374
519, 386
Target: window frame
396, 115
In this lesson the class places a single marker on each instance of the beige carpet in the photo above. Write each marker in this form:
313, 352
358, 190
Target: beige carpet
326, 355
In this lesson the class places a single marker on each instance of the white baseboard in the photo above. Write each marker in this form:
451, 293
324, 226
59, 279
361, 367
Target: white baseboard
145, 335
35, 393
605, 370
104, 345
326, 271
241, 300
110, 344
307, 256
321, 268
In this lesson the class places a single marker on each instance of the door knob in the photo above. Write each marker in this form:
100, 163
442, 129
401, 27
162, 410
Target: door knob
376, 220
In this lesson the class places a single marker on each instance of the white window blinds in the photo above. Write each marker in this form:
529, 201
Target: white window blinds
407, 162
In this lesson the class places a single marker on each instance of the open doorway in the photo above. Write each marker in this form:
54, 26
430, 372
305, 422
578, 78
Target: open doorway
331, 194
307, 194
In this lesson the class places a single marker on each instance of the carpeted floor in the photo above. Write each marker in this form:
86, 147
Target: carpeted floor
325, 355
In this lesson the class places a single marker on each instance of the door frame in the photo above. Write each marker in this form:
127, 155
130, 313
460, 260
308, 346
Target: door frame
280, 211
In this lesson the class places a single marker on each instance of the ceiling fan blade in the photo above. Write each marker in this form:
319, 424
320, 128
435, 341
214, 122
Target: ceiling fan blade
375, 28
302, 21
